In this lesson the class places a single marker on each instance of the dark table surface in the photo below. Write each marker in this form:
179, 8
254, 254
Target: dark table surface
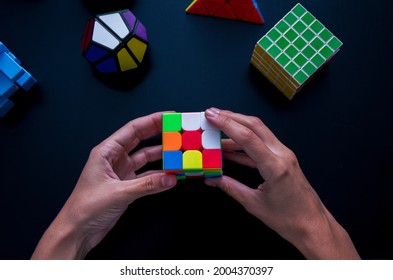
339, 125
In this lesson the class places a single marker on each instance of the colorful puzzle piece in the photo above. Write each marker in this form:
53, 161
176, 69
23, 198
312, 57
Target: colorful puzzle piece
12, 76
294, 50
114, 42
244, 10
191, 146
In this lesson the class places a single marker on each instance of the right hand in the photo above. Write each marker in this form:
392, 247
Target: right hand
285, 201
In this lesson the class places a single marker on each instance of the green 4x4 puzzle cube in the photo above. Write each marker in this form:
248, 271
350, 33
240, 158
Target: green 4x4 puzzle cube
294, 50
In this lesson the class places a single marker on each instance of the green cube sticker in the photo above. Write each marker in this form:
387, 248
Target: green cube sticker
282, 26
283, 59
318, 60
317, 43
299, 27
291, 51
274, 51
290, 35
309, 68
273, 34
301, 77
299, 43
265, 43
291, 68
326, 35
290, 18
308, 52
335, 43
282, 43
316, 26
299, 10
326, 52
171, 122
300, 60
308, 18
308, 35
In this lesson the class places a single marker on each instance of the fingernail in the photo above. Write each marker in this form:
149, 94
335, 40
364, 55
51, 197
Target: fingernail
212, 112
210, 183
168, 181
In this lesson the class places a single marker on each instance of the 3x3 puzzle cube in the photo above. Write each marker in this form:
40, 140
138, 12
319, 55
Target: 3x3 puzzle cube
114, 42
294, 50
12, 77
244, 10
191, 146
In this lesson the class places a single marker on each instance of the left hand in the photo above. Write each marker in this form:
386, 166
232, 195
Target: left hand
107, 185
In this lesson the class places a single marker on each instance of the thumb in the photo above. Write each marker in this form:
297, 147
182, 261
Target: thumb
240, 192
151, 184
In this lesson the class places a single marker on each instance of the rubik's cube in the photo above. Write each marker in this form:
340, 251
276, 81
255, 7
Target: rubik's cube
191, 146
294, 50
12, 77
244, 10
114, 42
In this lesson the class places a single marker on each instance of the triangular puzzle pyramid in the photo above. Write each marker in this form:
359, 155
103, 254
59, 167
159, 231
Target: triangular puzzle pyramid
244, 10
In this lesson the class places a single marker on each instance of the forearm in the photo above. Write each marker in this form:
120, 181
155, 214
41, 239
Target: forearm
61, 241
328, 240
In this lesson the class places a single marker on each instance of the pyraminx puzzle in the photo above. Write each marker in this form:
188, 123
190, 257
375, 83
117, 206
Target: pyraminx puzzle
114, 42
294, 50
191, 146
244, 10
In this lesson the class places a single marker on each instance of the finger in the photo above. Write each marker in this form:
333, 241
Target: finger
240, 158
240, 192
257, 126
150, 184
244, 136
145, 155
149, 172
132, 175
230, 145
137, 130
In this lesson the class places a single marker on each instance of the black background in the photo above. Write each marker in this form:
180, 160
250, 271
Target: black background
339, 125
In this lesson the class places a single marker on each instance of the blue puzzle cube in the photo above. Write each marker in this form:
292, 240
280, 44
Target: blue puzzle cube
12, 76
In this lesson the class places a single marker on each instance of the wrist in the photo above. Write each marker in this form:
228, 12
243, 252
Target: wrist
62, 240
